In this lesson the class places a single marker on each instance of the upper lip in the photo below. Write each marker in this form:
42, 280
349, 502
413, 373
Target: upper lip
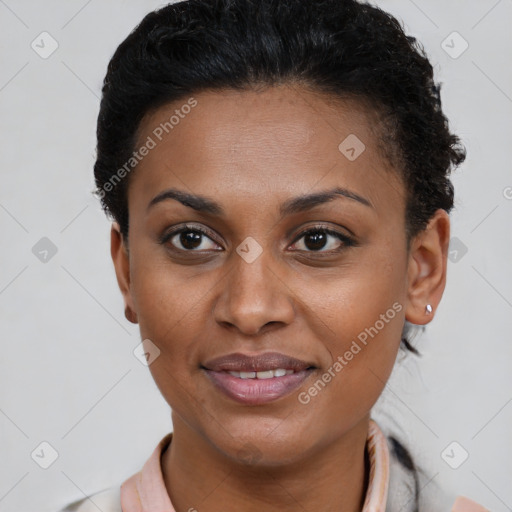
239, 362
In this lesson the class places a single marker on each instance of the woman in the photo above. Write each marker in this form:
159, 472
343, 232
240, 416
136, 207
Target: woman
278, 177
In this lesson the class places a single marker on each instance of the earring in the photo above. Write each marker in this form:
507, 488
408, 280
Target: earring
428, 309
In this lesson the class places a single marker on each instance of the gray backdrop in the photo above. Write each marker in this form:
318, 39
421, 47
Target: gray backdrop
68, 375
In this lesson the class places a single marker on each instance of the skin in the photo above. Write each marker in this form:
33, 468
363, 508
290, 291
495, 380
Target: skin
250, 151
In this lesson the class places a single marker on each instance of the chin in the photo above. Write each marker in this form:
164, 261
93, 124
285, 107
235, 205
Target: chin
261, 441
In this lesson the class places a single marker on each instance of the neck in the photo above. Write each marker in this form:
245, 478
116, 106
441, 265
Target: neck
333, 478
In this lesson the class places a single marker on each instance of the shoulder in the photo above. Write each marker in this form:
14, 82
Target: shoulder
107, 500
407, 493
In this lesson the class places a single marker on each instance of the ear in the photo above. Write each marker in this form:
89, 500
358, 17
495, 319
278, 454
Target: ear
426, 274
120, 257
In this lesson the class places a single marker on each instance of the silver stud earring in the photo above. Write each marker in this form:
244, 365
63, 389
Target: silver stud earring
428, 309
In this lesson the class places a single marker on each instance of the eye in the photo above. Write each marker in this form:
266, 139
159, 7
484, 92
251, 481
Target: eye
321, 237
190, 239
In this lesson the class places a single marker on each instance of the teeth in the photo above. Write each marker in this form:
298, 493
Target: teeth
267, 374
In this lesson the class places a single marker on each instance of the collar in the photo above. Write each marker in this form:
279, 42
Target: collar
146, 492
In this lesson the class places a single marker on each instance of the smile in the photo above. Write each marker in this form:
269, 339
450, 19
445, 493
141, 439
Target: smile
257, 379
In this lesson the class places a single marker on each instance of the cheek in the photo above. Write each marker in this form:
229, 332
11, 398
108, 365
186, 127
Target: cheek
170, 312
166, 296
351, 297
361, 314
363, 355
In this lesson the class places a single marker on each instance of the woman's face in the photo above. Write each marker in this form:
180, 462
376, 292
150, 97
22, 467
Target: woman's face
243, 289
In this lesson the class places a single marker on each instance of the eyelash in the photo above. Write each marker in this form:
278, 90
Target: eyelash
347, 241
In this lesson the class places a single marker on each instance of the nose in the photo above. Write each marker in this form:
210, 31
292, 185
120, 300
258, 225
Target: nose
254, 297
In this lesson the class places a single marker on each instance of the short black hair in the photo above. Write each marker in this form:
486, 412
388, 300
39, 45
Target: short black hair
343, 48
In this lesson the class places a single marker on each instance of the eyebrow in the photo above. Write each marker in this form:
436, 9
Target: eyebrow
294, 205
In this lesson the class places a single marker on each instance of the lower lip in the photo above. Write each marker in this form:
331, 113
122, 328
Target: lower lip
257, 391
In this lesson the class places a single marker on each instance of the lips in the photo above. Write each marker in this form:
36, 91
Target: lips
258, 379
239, 362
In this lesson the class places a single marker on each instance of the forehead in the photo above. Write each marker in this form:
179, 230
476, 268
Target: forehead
262, 144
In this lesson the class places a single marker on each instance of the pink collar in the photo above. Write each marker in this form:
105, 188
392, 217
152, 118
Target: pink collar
145, 491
